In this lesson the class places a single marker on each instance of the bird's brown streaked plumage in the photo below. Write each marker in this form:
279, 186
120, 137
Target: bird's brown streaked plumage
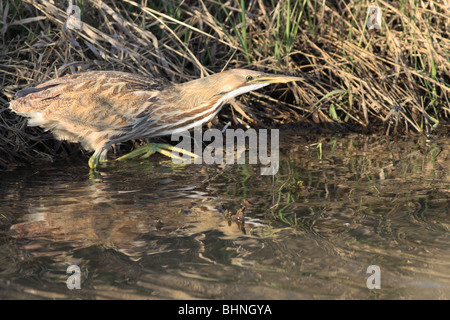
100, 108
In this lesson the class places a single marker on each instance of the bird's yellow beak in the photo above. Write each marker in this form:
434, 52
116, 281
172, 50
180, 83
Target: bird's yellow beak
271, 78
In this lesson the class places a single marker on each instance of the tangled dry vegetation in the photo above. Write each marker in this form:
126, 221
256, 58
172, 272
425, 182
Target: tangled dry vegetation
393, 80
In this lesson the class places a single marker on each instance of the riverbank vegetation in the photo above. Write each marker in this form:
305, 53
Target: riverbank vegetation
392, 80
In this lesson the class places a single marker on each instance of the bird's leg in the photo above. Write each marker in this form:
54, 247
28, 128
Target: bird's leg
98, 157
163, 148
93, 161
103, 156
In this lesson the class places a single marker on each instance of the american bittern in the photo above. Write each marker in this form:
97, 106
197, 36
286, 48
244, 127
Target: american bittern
101, 108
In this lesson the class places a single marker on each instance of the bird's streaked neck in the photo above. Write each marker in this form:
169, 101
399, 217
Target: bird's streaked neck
203, 91
242, 90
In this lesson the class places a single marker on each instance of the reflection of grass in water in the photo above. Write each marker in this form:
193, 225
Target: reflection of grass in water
350, 172
354, 172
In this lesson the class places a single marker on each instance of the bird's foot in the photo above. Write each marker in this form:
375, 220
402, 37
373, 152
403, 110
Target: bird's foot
96, 159
151, 148
93, 162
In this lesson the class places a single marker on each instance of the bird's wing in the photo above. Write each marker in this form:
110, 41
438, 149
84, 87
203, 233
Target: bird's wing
101, 100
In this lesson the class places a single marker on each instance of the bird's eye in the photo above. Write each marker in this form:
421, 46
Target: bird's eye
248, 78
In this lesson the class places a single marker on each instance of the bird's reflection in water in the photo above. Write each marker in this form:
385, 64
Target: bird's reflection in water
120, 208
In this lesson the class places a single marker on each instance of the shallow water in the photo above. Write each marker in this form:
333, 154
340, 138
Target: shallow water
150, 229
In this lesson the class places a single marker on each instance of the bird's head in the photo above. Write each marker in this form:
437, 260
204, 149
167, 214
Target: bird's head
231, 83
